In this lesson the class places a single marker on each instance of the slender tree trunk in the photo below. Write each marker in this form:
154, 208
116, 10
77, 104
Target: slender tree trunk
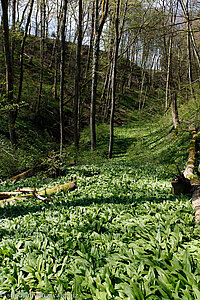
56, 41
190, 39
36, 20
132, 61
55, 79
144, 99
107, 84
143, 74
114, 72
190, 75
141, 90
62, 74
108, 96
102, 99
13, 31
172, 86
22, 52
91, 44
94, 91
9, 74
145, 55
23, 15
175, 117
189, 56
55, 51
152, 72
69, 20
97, 34
194, 46
94, 78
42, 28
169, 58
179, 69
77, 79
47, 20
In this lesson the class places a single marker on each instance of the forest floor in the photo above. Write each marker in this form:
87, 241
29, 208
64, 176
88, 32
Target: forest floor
120, 235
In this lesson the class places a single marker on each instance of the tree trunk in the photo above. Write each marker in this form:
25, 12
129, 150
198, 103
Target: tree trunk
169, 58
56, 41
114, 72
94, 90
55, 78
108, 79
77, 79
175, 117
91, 43
97, 34
190, 75
36, 20
108, 96
62, 73
131, 66
9, 74
142, 86
189, 57
171, 86
42, 28
22, 52
13, 31
23, 16
102, 99
55, 51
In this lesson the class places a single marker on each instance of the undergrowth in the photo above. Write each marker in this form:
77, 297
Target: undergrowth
120, 235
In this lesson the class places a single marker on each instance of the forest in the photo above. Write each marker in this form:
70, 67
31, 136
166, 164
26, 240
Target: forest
99, 149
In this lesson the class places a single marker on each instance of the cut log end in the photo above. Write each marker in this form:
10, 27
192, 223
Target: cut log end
197, 216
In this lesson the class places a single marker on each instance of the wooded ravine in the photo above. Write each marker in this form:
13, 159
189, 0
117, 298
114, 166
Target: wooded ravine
99, 149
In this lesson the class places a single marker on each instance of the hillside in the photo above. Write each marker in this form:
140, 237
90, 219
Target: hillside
38, 134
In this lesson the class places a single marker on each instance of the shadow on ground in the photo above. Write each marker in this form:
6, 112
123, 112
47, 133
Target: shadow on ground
21, 210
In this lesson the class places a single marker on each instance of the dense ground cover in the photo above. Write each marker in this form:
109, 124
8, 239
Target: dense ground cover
119, 235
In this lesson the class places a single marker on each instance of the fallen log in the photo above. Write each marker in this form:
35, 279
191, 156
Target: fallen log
24, 190
5, 195
36, 169
38, 194
41, 198
189, 170
196, 203
27, 173
62, 187
186, 183
189, 173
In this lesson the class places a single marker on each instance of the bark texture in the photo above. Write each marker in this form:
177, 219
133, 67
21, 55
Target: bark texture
98, 27
47, 192
9, 73
114, 73
62, 74
22, 52
189, 173
78, 79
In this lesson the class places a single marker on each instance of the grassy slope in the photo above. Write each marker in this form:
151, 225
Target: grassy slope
120, 235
